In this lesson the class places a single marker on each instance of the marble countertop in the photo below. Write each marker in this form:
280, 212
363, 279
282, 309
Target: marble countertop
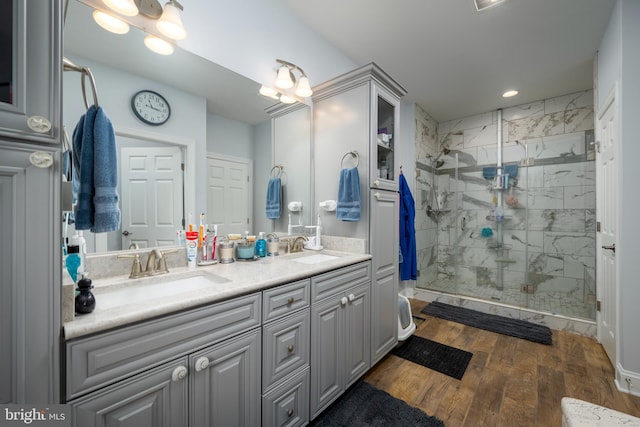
125, 301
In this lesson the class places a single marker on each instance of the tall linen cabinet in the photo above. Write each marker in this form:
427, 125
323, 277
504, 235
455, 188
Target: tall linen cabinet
356, 123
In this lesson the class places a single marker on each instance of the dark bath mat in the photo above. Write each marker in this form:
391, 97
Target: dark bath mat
433, 355
490, 322
365, 405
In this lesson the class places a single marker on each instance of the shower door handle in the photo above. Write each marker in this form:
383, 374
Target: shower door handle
610, 247
463, 223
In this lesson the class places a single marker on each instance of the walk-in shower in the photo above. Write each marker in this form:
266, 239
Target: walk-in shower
512, 223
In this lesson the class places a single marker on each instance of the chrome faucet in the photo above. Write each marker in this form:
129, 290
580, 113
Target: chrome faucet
298, 243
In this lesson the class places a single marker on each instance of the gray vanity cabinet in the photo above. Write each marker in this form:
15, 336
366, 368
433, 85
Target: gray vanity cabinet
225, 387
156, 398
384, 293
30, 247
285, 355
340, 332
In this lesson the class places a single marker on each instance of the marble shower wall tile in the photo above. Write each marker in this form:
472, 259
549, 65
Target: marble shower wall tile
580, 244
524, 111
569, 102
535, 127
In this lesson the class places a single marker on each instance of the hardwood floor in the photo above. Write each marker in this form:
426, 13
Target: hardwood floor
509, 381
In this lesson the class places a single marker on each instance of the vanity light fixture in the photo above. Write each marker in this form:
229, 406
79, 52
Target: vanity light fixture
285, 87
510, 93
110, 23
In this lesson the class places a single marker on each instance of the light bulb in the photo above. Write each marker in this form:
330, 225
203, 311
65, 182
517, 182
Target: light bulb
510, 93
123, 7
158, 45
269, 92
284, 79
110, 23
170, 23
303, 89
286, 99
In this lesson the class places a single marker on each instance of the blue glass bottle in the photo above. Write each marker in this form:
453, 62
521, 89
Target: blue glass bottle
261, 245
73, 261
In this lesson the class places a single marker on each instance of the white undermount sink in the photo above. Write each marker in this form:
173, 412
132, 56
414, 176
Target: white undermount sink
147, 288
315, 259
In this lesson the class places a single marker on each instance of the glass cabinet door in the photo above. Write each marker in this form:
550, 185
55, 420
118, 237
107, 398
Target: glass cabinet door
30, 68
385, 115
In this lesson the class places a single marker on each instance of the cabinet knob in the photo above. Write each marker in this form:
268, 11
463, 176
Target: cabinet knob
290, 413
376, 195
352, 297
343, 300
290, 349
376, 183
290, 301
179, 373
202, 363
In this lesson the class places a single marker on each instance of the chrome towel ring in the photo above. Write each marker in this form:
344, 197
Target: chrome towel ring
350, 153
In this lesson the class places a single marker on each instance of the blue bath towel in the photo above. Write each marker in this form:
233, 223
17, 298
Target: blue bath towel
95, 173
274, 198
409, 265
348, 208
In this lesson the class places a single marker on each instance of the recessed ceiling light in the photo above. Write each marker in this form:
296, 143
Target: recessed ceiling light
484, 4
510, 93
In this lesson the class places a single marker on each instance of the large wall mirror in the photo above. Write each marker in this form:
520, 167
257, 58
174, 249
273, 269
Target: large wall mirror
217, 118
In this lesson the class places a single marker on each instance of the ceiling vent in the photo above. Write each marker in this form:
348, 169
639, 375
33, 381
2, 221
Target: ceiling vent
485, 4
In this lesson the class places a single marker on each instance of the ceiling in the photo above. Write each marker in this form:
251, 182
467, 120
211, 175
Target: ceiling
455, 61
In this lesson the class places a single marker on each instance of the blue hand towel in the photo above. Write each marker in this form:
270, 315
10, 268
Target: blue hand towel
105, 176
274, 198
348, 208
95, 173
489, 172
83, 169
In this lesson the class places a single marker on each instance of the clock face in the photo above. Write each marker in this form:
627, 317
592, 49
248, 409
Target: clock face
150, 107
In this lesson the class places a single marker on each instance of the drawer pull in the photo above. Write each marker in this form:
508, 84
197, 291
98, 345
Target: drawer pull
290, 301
290, 413
343, 300
352, 297
179, 373
290, 349
202, 363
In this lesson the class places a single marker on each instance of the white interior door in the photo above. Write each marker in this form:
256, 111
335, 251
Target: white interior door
606, 196
229, 195
152, 195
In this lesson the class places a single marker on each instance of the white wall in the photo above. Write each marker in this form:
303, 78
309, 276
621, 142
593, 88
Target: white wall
619, 63
247, 36
229, 137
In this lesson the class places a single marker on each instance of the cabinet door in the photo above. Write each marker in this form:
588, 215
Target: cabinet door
29, 277
157, 398
30, 65
327, 338
225, 385
384, 283
385, 122
357, 334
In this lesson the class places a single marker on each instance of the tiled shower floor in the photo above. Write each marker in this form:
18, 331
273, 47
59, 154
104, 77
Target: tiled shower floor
555, 303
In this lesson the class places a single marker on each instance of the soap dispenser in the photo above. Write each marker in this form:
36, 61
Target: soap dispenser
85, 301
261, 245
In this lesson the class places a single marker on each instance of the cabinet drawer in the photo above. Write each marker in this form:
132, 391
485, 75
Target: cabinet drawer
288, 404
99, 360
285, 347
327, 284
285, 299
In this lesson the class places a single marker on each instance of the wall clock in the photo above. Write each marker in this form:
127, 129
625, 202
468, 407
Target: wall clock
150, 107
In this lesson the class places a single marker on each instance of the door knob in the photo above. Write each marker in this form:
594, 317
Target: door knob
126, 233
610, 247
